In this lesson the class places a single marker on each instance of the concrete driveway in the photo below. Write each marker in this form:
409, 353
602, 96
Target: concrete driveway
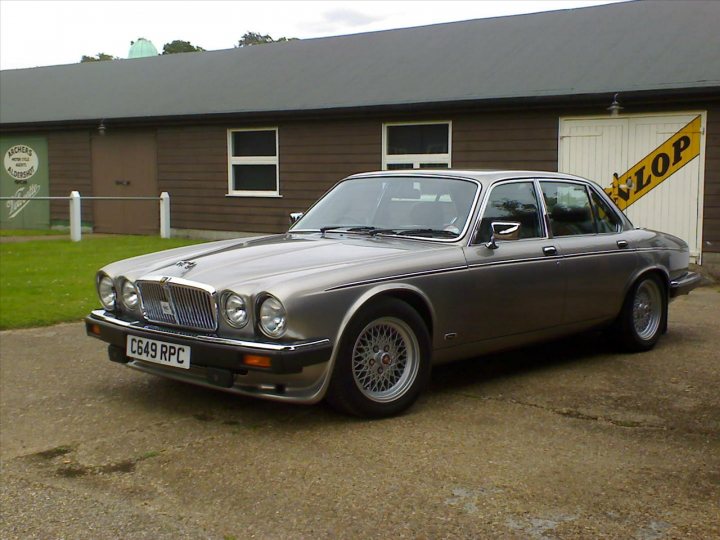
566, 440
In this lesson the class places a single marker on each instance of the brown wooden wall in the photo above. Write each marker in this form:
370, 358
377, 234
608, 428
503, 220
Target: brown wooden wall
711, 211
70, 169
192, 162
192, 167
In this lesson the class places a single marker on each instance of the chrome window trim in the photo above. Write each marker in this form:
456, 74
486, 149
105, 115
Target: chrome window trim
411, 174
478, 218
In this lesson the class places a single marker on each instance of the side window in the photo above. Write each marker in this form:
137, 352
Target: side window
607, 220
516, 202
569, 208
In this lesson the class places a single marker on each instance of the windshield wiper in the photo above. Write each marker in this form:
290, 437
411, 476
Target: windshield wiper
416, 232
349, 228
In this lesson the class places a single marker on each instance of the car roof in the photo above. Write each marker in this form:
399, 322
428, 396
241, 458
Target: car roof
485, 176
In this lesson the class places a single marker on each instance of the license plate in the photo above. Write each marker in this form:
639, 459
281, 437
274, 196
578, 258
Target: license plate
151, 350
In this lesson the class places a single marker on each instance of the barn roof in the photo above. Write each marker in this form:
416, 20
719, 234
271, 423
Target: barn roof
637, 46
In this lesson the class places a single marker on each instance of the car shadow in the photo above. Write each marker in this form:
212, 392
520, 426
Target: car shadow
210, 406
580, 348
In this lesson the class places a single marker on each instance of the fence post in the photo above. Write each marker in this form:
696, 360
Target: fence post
75, 217
164, 215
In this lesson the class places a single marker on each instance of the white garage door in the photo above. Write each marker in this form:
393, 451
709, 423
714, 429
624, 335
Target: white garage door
662, 156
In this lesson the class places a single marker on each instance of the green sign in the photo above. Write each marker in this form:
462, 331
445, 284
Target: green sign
24, 174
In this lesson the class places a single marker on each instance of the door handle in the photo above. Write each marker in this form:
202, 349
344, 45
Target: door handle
122, 182
550, 250
622, 244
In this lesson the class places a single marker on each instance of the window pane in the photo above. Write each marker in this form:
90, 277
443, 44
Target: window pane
512, 202
607, 220
434, 166
569, 208
254, 177
254, 143
417, 139
399, 166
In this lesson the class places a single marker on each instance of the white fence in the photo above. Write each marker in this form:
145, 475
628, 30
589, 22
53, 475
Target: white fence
76, 209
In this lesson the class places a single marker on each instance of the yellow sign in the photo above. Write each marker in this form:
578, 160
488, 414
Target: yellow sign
657, 166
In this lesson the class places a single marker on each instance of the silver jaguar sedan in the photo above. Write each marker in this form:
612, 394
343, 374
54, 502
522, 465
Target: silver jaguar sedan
387, 274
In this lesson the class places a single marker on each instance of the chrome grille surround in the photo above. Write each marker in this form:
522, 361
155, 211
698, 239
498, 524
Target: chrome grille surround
178, 302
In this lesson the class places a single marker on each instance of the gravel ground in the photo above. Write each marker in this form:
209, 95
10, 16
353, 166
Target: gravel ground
566, 440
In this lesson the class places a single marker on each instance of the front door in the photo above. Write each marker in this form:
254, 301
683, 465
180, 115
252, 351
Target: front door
518, 286
124, 164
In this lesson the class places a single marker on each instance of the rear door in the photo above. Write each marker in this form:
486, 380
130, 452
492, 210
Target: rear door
598, 257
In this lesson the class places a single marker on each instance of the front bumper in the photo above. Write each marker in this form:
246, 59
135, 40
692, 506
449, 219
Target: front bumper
684, 284
219, 359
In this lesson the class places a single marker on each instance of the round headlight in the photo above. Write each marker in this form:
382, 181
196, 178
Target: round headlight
235, 310
272, 317
106, 292
129, 295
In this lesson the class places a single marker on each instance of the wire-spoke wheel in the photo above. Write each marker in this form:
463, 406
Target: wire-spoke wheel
644, 315
383, 360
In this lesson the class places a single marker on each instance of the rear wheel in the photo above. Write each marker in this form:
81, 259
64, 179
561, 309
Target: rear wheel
383, 361
644, 315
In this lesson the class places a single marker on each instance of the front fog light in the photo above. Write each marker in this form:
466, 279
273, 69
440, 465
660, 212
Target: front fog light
272, 317
129, 295
106, 292
235, 310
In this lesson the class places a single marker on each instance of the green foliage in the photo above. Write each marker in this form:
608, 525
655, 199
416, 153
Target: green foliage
99, 57
44, 282
254, 38
180, 46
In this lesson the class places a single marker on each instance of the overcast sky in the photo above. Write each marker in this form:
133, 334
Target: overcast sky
43, 33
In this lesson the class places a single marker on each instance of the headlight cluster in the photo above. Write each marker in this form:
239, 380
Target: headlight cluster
129, 294
106, 291
109, 295
272, 318
235, 310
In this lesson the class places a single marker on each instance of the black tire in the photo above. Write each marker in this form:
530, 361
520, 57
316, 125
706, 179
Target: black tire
644, 315
383, 362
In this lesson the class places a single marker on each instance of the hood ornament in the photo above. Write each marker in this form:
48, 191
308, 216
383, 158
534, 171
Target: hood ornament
186, 265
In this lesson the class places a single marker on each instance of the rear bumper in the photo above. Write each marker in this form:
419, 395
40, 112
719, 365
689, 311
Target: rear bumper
208, 351
684, 284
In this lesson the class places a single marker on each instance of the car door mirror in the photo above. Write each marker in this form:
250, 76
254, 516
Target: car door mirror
503, 230
295, 217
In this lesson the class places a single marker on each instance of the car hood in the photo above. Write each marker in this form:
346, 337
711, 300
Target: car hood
233, 263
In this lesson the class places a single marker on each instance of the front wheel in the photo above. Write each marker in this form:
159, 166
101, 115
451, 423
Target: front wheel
644, 315
383, 361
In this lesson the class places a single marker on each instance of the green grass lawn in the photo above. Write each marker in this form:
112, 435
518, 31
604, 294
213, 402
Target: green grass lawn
46, 282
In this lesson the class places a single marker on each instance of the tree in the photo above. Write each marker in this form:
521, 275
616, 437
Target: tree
180, 46
253, 38
99, 57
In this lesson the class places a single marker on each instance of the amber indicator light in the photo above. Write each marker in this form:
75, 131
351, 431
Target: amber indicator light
257, 361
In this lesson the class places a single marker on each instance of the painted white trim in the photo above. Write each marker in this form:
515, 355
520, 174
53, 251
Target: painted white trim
253, 160
416, 159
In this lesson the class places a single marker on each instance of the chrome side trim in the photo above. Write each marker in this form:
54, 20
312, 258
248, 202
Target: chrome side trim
397, 276
101, 315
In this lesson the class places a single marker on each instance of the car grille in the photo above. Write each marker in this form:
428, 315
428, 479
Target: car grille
178, 305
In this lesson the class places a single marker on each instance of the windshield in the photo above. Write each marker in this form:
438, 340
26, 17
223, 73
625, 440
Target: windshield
411, 206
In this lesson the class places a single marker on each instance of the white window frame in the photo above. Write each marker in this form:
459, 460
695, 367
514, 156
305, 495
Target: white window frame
253, 160
415, 159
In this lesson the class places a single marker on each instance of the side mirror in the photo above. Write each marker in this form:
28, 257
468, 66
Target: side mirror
295, 217
503, 230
